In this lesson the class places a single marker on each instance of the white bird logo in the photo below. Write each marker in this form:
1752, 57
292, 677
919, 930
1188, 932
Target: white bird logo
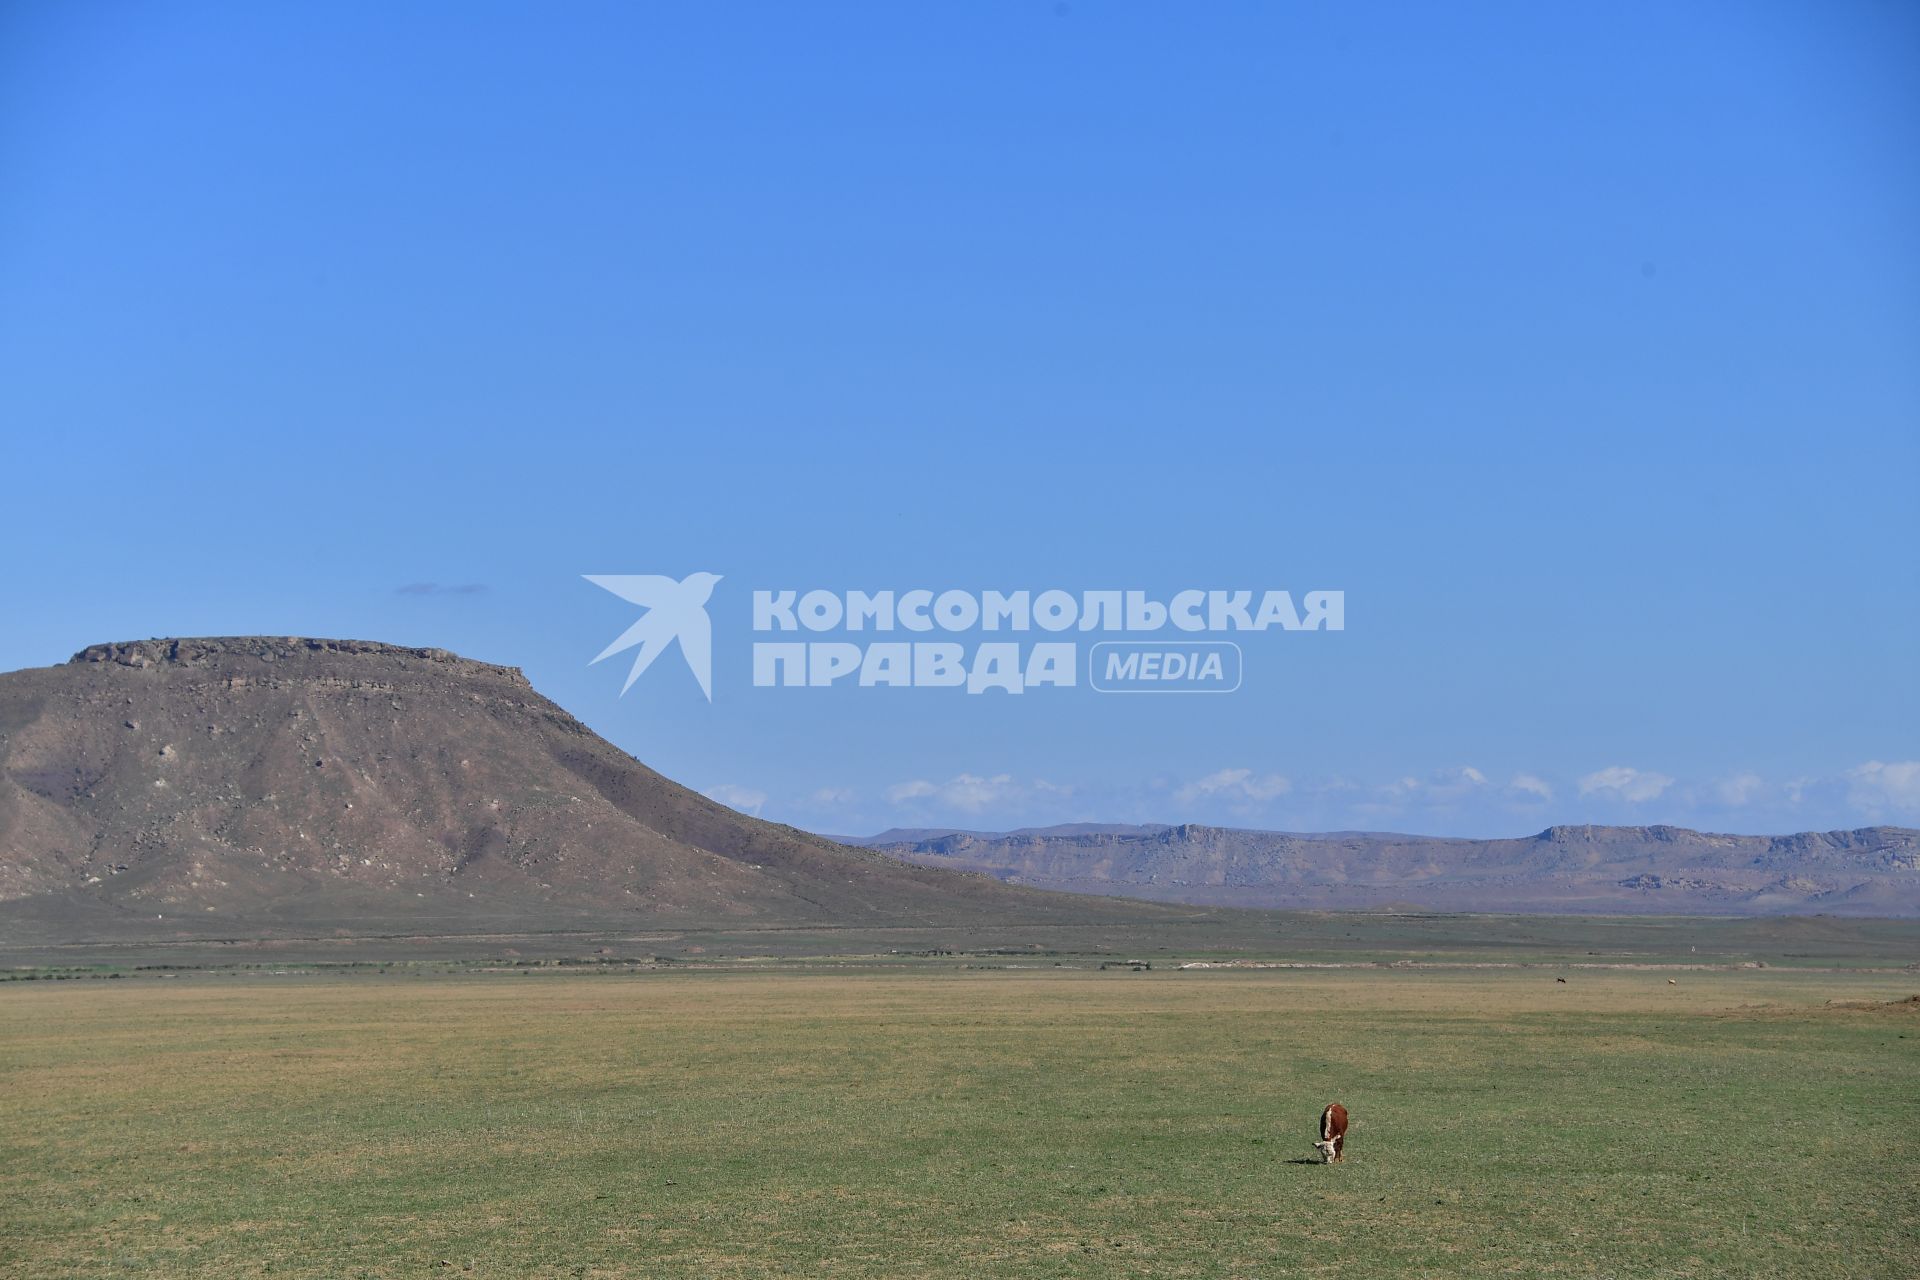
674, 611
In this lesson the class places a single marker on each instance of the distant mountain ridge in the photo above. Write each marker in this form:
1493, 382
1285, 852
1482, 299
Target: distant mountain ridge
1589, 869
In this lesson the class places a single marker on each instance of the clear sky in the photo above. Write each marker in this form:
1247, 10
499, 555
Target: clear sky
1579, 344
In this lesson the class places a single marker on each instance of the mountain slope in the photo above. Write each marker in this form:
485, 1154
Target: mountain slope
260, 783
1628, 870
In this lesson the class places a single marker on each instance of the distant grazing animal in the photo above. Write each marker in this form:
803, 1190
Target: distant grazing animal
1333, 1133
1673, 982
1561, 981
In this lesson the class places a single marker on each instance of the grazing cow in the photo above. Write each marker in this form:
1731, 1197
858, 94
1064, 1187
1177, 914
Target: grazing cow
1333, 1133
1561, 981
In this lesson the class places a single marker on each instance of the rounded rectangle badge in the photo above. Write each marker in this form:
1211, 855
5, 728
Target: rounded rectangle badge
1156, 666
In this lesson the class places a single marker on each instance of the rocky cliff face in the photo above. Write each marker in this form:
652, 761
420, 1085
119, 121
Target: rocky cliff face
1632, 870
237, 784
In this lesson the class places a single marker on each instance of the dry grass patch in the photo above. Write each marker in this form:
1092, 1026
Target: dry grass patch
1019, 1123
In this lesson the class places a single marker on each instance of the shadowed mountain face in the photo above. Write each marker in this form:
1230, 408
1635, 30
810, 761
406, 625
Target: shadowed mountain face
1623, 870
223, 787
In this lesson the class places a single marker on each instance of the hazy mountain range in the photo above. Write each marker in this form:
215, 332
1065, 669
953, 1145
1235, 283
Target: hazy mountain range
1631, 870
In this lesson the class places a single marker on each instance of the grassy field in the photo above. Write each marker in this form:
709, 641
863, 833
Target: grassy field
943, 1122
1333, 936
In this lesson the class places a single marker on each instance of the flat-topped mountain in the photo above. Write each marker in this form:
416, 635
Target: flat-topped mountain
1626, 870
261, 784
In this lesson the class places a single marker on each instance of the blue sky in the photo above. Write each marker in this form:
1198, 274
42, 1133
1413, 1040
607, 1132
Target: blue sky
1575, 343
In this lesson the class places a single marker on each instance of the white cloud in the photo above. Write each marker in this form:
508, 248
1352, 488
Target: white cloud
830, 797
1875, 786
1443, 786
1618, 782
1240, 785
1526, 788
745, 799
1740, 790
1452, 784
974, 793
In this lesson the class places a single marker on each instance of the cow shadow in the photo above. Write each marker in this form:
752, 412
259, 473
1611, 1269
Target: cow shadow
1306, 1160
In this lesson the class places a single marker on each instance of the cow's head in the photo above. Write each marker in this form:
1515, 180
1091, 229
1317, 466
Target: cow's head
1326, 1151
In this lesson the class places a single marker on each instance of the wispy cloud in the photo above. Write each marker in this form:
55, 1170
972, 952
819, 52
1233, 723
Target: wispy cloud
973, 793
1740, 790
1442, 787
1527, 788
1440, 792
1448, 785
1876, 787
1242, 786
1620, 782
441, 589
746, 799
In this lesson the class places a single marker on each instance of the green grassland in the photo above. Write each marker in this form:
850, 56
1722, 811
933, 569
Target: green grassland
927, 1119
1324, 936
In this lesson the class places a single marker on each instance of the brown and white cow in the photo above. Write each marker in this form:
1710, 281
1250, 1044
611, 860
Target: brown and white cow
1333, 1133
